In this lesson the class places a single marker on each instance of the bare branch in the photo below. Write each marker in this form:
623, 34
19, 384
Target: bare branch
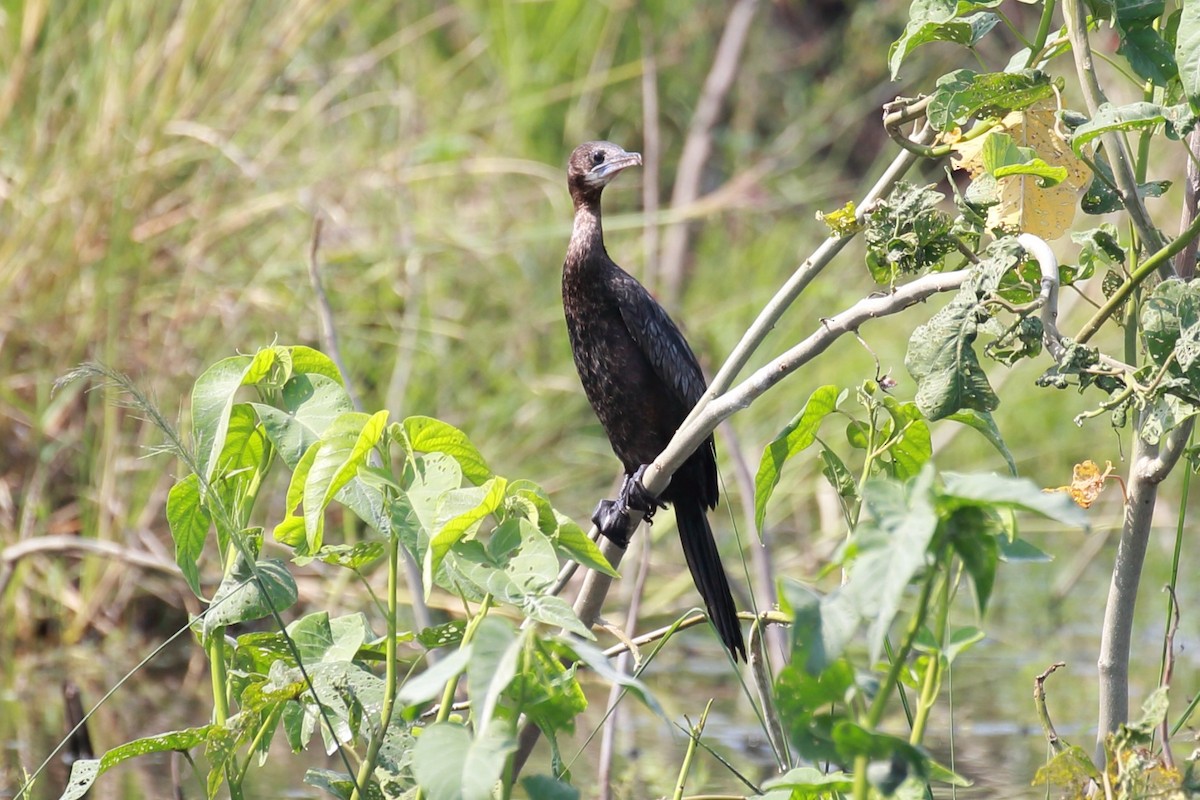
698, 144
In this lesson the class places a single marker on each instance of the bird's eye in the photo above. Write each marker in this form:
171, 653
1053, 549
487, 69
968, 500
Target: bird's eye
598, 157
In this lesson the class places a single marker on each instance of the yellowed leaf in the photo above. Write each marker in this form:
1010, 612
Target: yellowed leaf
1024, 205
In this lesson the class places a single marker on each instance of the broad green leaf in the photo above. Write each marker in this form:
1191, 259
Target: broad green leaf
189, 521
983, 422
911, 446
430, 683
1102, 198
496, 651
795, 437
450, 765
212, 399
457, 527
941, 21
892, 538
811, 782
974, 536
351, 556
337, 448
292, 530
1135, 116
810, 706
820, 632
1019, 551
239, 469
1187, 53
964, 95
428, 435
1072, 767
85, 771
854, 740
941, 357
598, 663
544, 787
368, 438
1148, 54
572, 542
1018, 493
310, 404
1128, 12
307, 361
240, 597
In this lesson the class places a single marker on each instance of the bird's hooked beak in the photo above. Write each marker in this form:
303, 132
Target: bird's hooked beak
603, 173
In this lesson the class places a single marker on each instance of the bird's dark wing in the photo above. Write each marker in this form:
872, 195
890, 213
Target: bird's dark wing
660, 340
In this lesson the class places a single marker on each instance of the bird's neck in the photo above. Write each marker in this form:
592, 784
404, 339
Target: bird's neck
587, 236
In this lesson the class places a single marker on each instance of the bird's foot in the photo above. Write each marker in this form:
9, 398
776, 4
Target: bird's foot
612, 520
635, 495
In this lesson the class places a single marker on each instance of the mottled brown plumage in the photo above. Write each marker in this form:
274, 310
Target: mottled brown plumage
642, 379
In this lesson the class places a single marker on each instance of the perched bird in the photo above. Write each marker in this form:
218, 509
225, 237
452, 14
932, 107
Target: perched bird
642, 379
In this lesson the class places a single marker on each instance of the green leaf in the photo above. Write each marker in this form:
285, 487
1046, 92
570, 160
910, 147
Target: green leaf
428, 435
212, 399
240, 598
795, 437
1128, 12
810, 782
189, 521
496, 651
820, 630
1072, 767
457, 527
907, 232
572, 542
598, 663
351, 556
1102, 198
910, 446
337, 459
1149, 55
941, 357
1187, 53
450, 765
1002, 157
85, 771
964, 95
892, 538
1018, 493
983, 422
1019, 551
941, 21
543, 787
307, 361
811, 705
973, 535
310, 404
430, 683
1132, 117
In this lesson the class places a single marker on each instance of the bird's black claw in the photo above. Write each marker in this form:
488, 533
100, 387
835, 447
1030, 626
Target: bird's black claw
635, 495
612, 520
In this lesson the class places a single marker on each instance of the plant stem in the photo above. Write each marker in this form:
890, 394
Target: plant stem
931, 683
879, 704
1145, 270
686, 767
220, 683
1043, 33
389, 686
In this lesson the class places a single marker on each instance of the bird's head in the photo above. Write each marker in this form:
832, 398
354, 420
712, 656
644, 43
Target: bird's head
594, 164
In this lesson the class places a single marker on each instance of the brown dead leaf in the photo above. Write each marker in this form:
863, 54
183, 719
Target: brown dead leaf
1087, 482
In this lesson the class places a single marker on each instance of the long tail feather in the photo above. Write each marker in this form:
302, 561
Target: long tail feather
704, 561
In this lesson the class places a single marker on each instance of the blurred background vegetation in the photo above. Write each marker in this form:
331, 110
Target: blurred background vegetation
161, 165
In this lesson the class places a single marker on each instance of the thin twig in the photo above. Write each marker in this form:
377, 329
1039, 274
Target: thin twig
329, 339
1039, 703
698, 145
1168, 671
